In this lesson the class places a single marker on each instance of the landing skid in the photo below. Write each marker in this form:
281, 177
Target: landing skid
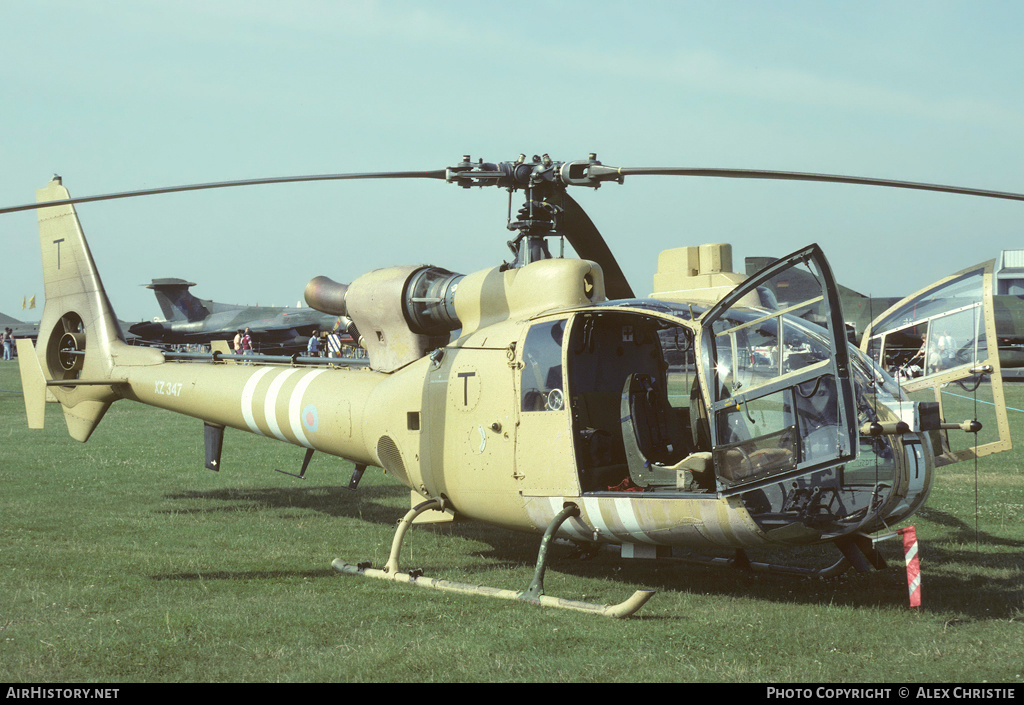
534, 593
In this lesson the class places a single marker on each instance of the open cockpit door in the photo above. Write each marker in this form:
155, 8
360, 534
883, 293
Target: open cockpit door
777, 384
940, 344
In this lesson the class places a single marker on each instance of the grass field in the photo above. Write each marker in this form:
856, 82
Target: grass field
123, 560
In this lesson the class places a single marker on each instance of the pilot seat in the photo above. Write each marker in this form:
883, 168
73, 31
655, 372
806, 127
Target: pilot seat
660, 453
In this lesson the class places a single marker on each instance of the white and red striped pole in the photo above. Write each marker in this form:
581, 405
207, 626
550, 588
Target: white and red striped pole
909, 535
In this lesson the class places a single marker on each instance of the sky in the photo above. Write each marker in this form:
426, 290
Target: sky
119, 96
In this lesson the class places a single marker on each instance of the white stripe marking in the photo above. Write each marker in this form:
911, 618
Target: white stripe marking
627, 516
270, 403
593, 507
247, 401
911, 553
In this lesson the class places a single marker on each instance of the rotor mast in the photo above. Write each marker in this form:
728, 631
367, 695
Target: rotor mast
544, 181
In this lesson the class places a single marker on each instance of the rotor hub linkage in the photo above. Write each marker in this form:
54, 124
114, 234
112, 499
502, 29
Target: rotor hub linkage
543, 180
522, 174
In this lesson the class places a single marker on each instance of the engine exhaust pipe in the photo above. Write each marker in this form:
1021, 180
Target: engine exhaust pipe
327, 296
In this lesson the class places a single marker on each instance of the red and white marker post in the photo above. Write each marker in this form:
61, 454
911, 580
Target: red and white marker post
909, 536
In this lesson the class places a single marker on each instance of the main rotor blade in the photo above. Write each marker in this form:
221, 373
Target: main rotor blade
801, 176
586, 240
437, 174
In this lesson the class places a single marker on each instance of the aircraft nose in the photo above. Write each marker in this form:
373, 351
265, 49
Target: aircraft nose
147, 329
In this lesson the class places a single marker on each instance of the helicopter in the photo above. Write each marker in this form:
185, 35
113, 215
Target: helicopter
543, 396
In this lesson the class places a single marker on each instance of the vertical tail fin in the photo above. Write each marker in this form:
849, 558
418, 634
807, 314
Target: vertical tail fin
176, 302
79, 336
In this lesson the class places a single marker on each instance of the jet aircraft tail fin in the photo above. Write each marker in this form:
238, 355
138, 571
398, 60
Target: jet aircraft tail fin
176, 302
79, 336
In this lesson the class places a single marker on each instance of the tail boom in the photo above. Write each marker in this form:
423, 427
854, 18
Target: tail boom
317, 408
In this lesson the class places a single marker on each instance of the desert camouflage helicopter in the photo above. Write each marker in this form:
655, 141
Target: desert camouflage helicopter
542, 396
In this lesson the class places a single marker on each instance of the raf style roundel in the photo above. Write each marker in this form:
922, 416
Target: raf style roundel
310, 418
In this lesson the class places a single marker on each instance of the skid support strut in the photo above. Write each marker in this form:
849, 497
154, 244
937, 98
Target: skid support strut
536, 589
533, 594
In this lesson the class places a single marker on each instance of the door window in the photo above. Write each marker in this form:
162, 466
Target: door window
778, 380
541, 385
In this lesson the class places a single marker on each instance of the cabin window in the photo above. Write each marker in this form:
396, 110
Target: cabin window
541, 384
759, 438
933, 333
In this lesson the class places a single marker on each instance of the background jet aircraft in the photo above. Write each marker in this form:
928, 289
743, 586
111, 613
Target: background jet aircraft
189, 319
19, 328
